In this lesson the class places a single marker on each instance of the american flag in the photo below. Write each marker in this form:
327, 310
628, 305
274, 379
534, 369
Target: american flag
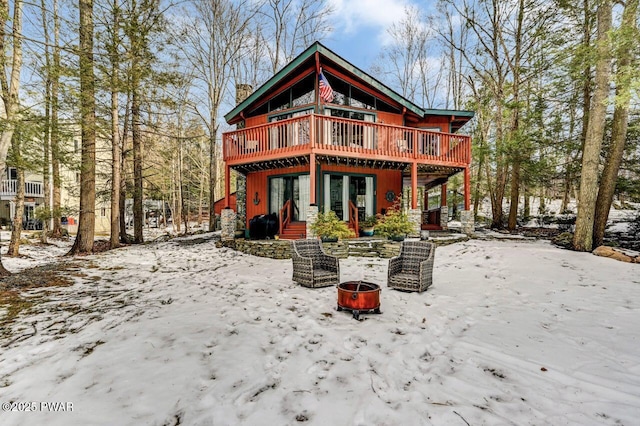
326, 92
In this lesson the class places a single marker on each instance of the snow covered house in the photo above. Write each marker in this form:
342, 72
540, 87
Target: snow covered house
323, 135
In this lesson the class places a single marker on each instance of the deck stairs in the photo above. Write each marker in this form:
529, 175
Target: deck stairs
294, 231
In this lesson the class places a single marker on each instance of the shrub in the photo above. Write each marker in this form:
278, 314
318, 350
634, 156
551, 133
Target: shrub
328, 225
394, 222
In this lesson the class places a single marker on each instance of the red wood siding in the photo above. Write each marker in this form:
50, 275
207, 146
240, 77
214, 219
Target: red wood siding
219, 205
386, 180
255, 121
436, 121
258, 182
389, 118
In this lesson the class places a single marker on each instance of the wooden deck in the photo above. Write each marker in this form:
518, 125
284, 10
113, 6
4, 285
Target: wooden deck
332, 136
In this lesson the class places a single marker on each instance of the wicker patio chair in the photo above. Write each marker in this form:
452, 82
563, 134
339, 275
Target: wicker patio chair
312, 267
412, 270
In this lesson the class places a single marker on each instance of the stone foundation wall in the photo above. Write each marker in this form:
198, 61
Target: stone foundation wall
228, 224
444, 217
415, 217
273, 249
281, 249
312, 217
241, 198
466, 219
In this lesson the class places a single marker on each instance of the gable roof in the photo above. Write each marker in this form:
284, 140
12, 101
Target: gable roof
308, 54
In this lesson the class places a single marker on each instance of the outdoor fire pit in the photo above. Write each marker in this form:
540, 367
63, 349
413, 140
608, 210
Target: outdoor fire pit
359, 297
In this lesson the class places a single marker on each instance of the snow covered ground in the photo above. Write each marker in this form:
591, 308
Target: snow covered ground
180, 332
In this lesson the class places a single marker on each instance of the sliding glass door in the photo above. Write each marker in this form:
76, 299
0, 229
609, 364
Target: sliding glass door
294, 188
339, 190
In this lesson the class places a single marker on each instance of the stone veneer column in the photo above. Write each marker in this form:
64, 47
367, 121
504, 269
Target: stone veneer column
312, 215
444, 217
241, 197
228, 224
468, 224
415, 217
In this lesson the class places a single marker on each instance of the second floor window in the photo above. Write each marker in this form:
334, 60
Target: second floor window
12, 173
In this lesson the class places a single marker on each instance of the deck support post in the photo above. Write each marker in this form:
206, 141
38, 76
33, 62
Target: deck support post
227, 186
443, 195
414, 185
467, 188
312, 178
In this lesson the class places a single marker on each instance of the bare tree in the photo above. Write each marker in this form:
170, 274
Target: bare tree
86, 224
9, 113
114, 59
583, 237
291, 26
627, 40
407, 58
214, 39
144, 18
16, 231
46, 137
55, 124
483, 55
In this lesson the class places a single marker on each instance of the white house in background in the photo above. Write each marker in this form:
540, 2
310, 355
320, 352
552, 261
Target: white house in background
33, 197
70, 184
69, 192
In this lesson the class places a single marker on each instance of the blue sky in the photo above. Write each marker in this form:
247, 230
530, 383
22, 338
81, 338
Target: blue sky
360, 27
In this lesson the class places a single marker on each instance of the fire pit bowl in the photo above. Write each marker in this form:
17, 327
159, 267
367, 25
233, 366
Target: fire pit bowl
359, 297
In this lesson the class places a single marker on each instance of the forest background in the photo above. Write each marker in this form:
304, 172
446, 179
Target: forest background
554, 85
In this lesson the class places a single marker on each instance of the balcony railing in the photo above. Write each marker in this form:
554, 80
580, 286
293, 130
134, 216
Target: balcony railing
31, 189
332, 135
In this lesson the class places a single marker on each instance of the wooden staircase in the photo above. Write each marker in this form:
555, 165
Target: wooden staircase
294, 231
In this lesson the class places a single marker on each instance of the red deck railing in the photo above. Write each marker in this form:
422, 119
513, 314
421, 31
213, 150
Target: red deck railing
339, 136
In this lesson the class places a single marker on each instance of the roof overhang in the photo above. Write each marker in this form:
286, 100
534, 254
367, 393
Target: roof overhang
460, 117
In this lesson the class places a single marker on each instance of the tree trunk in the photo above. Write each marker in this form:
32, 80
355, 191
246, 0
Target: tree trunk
16, 232
527, 203
115, 136
124, 238
476, 192
515, 125
115, 171
138, 213
583, 238
213, 179
566, 185
515, 195
178, 219
201, 199
628, 36
11, 88
55, 127
86, 225
46, 137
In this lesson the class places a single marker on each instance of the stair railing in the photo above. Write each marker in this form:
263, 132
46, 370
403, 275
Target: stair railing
285, 216
353, 217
